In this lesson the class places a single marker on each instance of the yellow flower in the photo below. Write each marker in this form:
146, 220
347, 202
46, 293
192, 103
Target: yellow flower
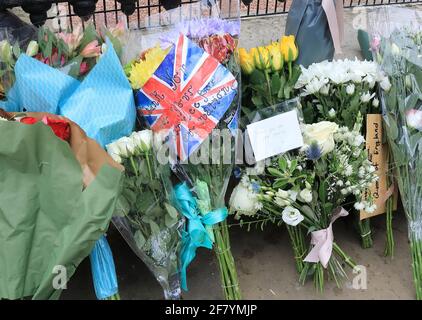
144, 69
246, 61
276, 56
288, 48
261, 58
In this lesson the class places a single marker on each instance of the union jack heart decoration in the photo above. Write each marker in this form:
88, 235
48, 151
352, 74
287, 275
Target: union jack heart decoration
186, 96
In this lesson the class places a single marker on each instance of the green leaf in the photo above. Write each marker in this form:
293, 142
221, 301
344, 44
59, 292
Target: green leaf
280, 94
171, 211
322, 191
257, 101
280, 183
257, 77
90, 34
139, 239
392, 129
306, 210
122, 207
16, 50
282, 163
275, 172
169, 221
275, 83
155, 229
287, 90
411, 101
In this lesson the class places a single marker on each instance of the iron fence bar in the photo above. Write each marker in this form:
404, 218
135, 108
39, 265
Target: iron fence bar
148, 8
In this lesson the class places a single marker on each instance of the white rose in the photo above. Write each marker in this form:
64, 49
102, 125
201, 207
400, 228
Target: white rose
126, 147
321, 132
350, 89
292, 216
244, 201
385, 84
113, 149
305, 195
142, 139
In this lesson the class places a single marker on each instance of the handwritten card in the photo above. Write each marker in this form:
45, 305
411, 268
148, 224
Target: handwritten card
275, 135
378, 155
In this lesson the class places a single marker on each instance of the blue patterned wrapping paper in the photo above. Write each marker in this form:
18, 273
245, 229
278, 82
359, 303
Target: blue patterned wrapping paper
102, 104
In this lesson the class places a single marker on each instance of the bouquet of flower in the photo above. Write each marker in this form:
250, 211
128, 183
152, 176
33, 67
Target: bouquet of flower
338, 91
68, 188
40, 87
144, 215
269, 75
186, 86
74, 52
400, 57
308, 189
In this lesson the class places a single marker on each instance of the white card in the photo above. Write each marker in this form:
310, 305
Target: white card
275, 135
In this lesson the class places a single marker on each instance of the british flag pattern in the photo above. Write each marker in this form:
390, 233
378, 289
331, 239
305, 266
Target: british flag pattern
186, 96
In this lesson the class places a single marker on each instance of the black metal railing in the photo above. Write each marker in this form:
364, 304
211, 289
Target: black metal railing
146, 13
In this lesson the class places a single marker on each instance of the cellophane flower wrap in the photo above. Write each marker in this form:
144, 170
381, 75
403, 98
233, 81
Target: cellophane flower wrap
145, 215
189, 97
399, 55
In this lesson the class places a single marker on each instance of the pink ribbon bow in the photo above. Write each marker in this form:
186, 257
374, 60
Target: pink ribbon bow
335, 17
322, 240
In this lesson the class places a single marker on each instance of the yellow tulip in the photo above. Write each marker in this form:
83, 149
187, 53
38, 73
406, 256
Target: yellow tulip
246, 61
261, 57
276, 56
288, 48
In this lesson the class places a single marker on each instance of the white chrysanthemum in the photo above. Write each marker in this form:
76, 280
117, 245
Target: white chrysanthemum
359, 206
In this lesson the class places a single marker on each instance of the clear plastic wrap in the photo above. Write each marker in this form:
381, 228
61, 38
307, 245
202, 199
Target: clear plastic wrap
145, 216
186, 83
396, 41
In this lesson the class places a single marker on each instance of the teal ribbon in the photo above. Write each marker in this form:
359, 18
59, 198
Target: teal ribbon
195, 234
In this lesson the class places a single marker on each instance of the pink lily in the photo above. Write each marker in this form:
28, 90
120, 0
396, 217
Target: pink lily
72, 39
91, 50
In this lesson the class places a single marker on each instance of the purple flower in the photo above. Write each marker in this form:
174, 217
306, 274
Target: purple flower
313, 152
201, 28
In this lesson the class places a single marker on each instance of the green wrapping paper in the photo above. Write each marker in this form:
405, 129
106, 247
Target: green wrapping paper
47, 217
